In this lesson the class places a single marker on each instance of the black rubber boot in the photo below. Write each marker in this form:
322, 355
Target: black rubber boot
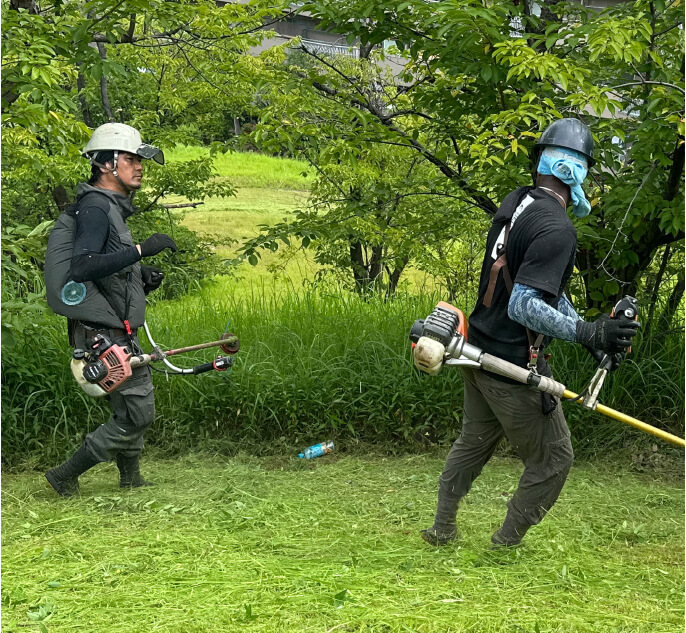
444, 530
65, 477
510, 534
129, 472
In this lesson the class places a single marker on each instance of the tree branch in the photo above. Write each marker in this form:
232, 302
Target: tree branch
81, 86
654, 83
132, 28
182, 205
481, 200
388, 117
668, 29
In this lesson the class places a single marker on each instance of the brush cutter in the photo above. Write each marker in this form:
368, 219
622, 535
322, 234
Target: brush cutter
106, 366
441, 339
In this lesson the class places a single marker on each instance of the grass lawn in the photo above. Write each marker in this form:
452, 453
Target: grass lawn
268, 189
250, 169
238, 218
275, 544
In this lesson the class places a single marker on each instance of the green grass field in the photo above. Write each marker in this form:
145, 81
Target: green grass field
274, 544
248, 169
268, 189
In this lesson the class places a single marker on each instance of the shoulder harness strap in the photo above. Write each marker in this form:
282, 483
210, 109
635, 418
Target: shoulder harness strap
500, 264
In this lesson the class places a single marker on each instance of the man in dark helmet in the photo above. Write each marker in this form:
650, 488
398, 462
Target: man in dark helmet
529, 258
94, 278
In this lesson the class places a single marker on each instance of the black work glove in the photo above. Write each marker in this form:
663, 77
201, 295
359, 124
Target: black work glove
607, 334
156, 243
615, 359
152, 278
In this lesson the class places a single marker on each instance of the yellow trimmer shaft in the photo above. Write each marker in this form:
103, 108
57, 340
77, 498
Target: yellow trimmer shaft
627, 419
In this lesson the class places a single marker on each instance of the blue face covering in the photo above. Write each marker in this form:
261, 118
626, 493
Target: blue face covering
571, 168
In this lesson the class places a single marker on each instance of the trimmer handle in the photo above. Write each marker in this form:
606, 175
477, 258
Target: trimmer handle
627, 309
220, 364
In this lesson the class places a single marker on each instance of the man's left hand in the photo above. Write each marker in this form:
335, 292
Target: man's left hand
152, 278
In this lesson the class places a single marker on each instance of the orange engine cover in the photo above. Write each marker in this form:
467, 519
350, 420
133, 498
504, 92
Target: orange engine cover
462, 323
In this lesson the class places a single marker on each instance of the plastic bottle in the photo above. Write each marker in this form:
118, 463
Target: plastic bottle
73, 293
317, 450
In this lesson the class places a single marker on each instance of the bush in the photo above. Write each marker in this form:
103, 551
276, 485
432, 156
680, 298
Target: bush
312, 366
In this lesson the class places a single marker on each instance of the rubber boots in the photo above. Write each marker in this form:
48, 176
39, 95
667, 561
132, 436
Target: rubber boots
129, 472
65, 477
511, 533
444, 528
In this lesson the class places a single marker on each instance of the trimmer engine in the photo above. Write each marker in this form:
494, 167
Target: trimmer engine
109, 366
444, 328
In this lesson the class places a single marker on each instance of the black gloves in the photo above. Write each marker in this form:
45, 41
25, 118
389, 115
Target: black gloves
152, 278
156, 243
615, 359
607, 334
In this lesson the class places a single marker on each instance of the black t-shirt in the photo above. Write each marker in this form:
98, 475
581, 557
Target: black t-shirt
540, 253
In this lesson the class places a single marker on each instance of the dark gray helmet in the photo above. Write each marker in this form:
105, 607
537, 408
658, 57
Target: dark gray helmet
568, 133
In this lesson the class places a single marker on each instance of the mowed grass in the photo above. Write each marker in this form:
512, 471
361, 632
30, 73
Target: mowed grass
275, 544
268, 190
250, 169
232, 220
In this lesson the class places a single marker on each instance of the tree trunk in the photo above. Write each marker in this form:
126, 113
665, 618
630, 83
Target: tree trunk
394, 277
376, 265
61, 197
103, 86
656, 291
673, 303
81, 85
359, 266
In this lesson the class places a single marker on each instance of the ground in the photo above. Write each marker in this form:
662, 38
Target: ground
277, 544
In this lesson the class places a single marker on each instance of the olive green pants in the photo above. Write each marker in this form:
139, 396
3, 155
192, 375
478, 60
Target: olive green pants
492, 409
133, 411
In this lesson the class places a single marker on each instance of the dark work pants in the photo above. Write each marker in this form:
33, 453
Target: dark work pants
492, 409
133, 411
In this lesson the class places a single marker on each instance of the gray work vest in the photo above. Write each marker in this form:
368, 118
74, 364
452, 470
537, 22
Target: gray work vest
105, 301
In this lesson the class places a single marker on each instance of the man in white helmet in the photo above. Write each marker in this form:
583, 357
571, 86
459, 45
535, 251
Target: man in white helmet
91, 248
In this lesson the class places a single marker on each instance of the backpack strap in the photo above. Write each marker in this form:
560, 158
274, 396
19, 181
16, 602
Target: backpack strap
500, 264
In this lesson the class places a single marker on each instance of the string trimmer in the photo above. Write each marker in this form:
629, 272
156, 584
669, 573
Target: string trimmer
105, 366
441, 339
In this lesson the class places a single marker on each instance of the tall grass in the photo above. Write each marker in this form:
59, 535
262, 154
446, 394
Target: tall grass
312, 365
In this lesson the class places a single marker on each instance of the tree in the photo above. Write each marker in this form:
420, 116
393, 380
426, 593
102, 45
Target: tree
481, 80
171, 69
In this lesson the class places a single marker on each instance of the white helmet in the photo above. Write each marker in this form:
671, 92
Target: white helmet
119, 137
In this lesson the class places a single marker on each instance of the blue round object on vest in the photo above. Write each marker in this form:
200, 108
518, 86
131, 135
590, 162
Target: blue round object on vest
73, 293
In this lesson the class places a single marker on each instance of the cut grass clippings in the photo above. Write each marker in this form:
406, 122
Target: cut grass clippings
275, 544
